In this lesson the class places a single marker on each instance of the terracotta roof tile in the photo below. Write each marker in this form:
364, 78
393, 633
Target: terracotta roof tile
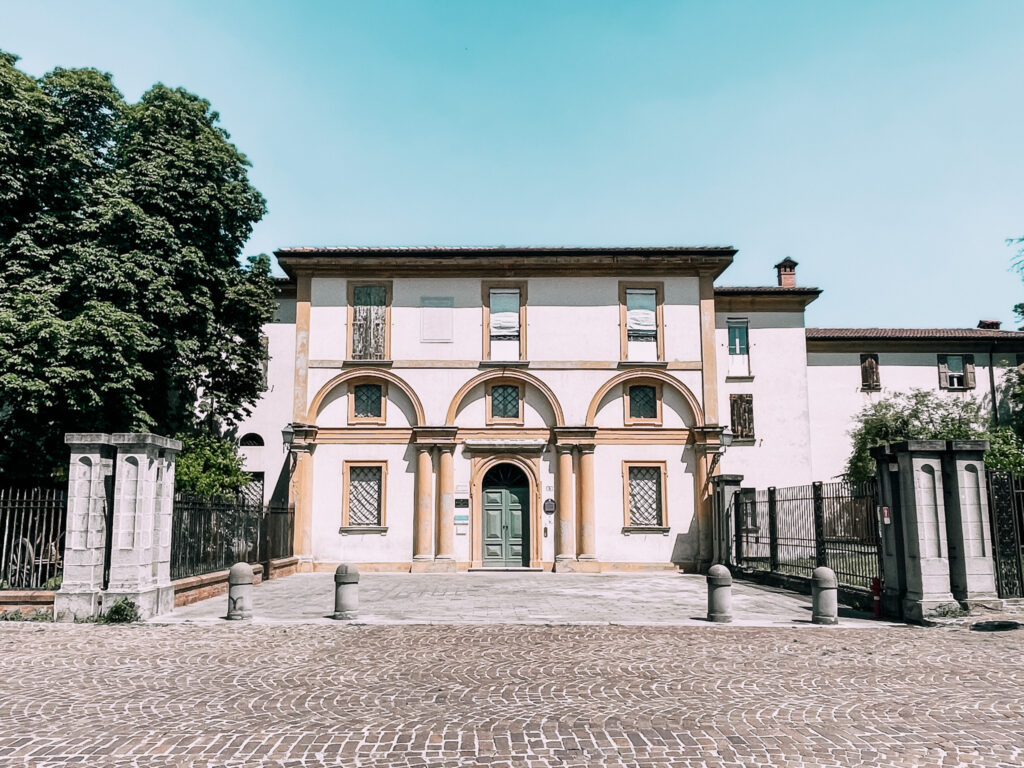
919, 334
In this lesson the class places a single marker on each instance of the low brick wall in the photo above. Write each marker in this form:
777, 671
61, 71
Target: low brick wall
861, 599
195, 588
28, 601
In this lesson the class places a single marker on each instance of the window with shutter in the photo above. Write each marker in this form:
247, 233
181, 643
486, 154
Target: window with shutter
737, 336
640, 317
369, 322
742, 411
870, 378
504, 321
952, 372
505, 313
969, 372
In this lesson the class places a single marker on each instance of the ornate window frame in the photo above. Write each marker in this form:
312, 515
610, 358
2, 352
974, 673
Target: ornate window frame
492, 420
635, 421
485, 298
346, 526
627, 524
350, 315
367, 420
659, 303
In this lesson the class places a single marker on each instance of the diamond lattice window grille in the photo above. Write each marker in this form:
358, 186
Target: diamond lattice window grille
505, 401
364, 484
367, 403
645, 496
643, 402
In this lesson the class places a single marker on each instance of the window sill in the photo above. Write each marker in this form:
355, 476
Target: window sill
367, 363
745, 377
641, 423
346, 530
870, 389
956, 389
504, 363
643, 364
629, 529
744, 441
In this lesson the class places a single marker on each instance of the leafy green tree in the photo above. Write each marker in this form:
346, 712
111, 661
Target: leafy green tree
124, 305
209, 466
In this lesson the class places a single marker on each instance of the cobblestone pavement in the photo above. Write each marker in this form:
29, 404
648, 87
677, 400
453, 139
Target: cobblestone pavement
516, 598
287, 695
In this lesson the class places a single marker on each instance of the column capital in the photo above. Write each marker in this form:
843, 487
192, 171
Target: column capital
586, 447
564, 447
434, 435
574, 435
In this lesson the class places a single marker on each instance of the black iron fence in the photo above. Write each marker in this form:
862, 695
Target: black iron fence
794, 530
32, 523
1006, 508
211, 535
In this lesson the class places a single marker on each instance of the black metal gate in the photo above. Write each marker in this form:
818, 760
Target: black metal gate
1006, 508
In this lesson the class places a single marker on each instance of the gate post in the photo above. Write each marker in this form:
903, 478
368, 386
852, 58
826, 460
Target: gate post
143, 500
773, 532
926, 550
971, 571
91, 466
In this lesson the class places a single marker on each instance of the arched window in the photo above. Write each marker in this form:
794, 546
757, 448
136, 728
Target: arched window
250, 439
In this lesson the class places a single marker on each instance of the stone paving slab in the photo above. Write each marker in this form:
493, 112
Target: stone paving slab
504, 696
664, 599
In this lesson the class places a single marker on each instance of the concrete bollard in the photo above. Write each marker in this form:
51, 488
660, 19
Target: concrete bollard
719, 594
240, 580
824, 596
346, 592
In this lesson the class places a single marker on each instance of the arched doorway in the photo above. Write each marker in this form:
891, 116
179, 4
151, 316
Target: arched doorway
505, 518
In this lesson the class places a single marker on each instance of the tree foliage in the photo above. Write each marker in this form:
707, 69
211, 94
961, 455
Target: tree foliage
123, 302
925, 415
209, 466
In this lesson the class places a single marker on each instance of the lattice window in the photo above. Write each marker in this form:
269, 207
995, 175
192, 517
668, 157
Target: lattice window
364, 495
643, 402
369, 321
505, 401
367, 401
645, 496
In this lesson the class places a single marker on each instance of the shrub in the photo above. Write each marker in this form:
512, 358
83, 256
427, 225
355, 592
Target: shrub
209, 466
123, 611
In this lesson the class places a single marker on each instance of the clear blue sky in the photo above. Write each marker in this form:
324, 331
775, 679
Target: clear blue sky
879, 144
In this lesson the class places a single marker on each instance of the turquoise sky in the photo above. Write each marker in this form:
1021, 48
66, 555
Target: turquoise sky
878, 144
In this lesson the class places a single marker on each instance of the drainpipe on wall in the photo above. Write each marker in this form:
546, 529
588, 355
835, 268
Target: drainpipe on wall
992, 382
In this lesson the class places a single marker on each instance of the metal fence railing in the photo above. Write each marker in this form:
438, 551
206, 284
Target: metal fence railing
794, 530
211, 535
32, 522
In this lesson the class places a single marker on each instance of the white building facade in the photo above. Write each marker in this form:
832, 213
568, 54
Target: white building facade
541, 408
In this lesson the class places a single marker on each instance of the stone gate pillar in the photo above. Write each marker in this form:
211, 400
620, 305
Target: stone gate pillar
925, 545
140, 547
90, 480
971, 566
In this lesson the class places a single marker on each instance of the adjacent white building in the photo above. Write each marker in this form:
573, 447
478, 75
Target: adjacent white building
551, 408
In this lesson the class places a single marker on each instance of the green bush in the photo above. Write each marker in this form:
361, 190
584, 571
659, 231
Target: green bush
1006, 450
123, 611
209, 465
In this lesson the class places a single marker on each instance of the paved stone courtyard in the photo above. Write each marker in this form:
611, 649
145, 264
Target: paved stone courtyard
282, 695
517, 598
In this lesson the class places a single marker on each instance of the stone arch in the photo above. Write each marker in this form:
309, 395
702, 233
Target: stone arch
509, 374
530, 467
366, 373
648, 374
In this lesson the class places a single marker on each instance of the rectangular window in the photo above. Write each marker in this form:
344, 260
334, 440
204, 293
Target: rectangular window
741, 409
364, 495
369, 316
645, 495
870, 378
505, 404
367, 401
739, 355
436, 319
640, 317
643, 402
737, 336
504, 318
956, 372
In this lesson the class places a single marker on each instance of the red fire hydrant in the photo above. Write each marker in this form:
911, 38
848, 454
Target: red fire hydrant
876, 591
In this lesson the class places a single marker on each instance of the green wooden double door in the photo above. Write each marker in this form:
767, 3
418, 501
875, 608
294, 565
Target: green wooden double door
505, 526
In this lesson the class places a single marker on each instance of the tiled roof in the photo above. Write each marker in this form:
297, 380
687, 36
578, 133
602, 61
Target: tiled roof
764, 290
497, 250
918, 334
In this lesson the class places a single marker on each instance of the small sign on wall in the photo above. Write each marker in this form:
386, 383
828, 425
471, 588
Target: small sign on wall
462, 503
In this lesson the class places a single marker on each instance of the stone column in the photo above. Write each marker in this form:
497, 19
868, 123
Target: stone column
301, 495
422, 547
134, 568
446, 509
702, 504
566, 540
971, 567
90, 480
587, 514
924, 529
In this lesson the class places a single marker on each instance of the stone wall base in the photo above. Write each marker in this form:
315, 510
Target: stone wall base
921, 610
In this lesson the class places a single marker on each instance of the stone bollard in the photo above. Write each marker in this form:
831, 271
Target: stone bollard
346, 592
824, 596
240, 580
719, 594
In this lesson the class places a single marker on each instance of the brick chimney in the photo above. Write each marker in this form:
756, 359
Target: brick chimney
787, 272
990, 325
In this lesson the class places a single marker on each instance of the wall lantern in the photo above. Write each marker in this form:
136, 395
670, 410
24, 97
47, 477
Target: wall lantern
288, 436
